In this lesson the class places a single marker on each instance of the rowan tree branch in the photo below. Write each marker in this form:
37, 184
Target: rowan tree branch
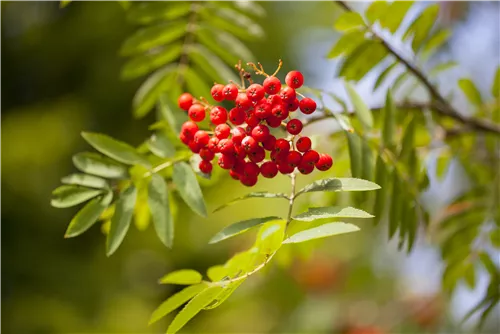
445, 108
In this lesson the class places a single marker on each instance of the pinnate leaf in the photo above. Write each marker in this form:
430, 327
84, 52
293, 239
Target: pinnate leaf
189, 189
159, 206
88, 215
68, 195
240, 227
96, 164
122, 217
332, 212
183, 277
322, 231
252, 195
340, 184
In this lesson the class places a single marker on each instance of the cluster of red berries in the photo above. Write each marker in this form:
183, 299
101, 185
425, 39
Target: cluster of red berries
242, 135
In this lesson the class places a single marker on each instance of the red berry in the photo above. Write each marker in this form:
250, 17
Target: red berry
205, 166
269, 169
282, 145
201, 138
279, 157
288, 94
238, 135
275, 100
218, 115
269, 143
294, 126
249, 143
206, 154
189, 128
230, 92
213, 144
185, 139
294, 105
239, 152
217, 92
226, 146
305, 168
260, 132
310, 157
293, 158
248, 181
294, 79
251, 169
239, 166
285, 168
307, 105
237, 116
222, 131
273, 121
226, 161
325, 162
252, 120
272, 85
255, 92
196, 112
279, 111
194, 147
185, 101
304, 144
234, 174
243, 102
257, 155
263, 109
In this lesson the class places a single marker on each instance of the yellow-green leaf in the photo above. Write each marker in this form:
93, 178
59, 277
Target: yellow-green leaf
68, 195
470, 91
182, 277
332, 212
348, 21
322, 231
347, 43
239, 227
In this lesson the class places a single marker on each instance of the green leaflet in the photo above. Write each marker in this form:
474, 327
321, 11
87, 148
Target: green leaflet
96, 164
384, 75
339, 184
200, 301
148, 62
348, 21
389, 122
176, 301
470, 91
115, 149
160, 145
367, 161
171, 114
120, 223
347, 43
331, 212
212, 65
232, 21
355, 159
149, 12
495, 87
88, 215
189, 189
376, 10
362, 60
395, 209
195, 83
228, 291
364, 114
68, 195
182, 277
85, 180
395, 14
159, 206
270, 237
321, 231
240, 227
252, 195
422, 25
381, 178
442, 67
437, 40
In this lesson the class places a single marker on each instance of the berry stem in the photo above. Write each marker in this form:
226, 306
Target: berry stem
258, 71
280, 64
164, 165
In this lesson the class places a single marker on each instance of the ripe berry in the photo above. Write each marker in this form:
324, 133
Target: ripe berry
239, 152
226, 146
205, 166
282, 145
279, 157
307, 105
263, 109
269, 169
294, 105
222, 131
242, 102
255, 92
218, 115
212, 144
325, 162
239, 166
185, 139
273, 121
293, 158
272, 85
230, 92
294, 79
260, 132
238, 135
248, 181
257, 155
279, 111
275, 100
196, 112
234, 175
201, 138
185, 101
252, 120
194, 147
249, 143
269, 143
189, 128
285, 168
217, 92
206, 154
251, 169
305, 168
288, 94
237, 116
303, 144
226, 161
294, 126
310, 157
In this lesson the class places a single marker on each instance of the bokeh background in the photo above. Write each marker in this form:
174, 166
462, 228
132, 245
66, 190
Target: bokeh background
60, 75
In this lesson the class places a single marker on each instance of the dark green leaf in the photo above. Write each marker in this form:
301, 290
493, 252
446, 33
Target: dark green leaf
332, 212
120, 222
384, 74
68, 195
495, 87
195, 305
150, 90
376, 11
234, 22
395, 210
395, 14
470, 91
240, 227
195, 83
488, 264
321, 231
367, 161
347, 43
149, 12
223, 44
437, 40
348, 21
252, 195
408, 139
422, 25
412, 224
159, 206
115, 149
354, 145
182, 277
171, 113
364, 114
96, 164
381, 195
88, 215
160, 146
125, 4
339, 184
470, 276
176, 301
389, 125
148, 62
85, 180
189, 189
212, 65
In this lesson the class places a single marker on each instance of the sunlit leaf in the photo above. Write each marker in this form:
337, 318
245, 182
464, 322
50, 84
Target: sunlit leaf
252, 195
96, 164
88, 215
189, 189
376, 10
437, 40
495, 87
362, 111
355, 152
470, 91
347, 43
69, 195
240, 227
395, 14
321, 231
159, 206
422, 25
228, 291
339, 184
120, 222
216, 273
182, 277
270, 236
384, 75
332, 212
348, 21
85, 180
176, 301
